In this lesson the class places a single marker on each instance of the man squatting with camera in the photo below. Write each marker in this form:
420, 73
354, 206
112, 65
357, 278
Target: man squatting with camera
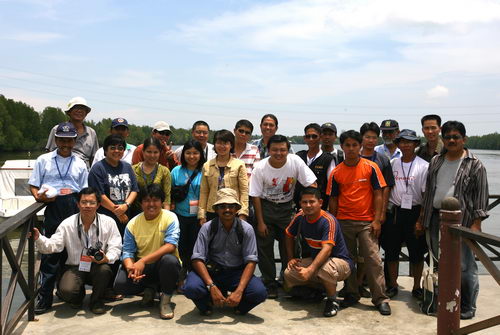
92, 242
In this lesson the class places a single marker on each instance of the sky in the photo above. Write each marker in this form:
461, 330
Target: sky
346, 62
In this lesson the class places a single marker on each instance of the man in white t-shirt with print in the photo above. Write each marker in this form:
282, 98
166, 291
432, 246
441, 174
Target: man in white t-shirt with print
405, 202
271, 187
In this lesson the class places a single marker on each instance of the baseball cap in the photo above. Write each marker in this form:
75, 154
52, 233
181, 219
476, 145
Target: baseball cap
161, 126
119, 122
77, 101
407, 134
389, 125
329, 126
66, 129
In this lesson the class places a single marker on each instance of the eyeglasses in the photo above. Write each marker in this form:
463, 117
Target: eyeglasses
164, 132
452, 137
88, 203
243, 131
227, 206
116, 147
311, 136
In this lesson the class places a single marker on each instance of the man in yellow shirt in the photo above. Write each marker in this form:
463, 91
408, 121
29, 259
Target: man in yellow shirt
150, 260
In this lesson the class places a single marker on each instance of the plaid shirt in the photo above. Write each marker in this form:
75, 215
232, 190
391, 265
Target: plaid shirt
471, 189
249, 156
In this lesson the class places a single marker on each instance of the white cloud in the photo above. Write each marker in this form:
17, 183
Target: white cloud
34, 37
438, 92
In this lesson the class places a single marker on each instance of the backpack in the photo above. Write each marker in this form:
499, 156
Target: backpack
214, 227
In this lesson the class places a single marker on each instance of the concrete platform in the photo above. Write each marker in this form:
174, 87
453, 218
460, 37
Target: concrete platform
282, 316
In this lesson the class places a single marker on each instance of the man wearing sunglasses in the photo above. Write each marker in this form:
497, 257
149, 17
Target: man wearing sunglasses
321, 163
457, 173
243, 150
224, 260
161, 131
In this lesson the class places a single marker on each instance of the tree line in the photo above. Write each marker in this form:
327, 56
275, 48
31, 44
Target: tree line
22, 128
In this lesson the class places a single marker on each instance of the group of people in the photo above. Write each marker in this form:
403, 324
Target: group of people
151, 220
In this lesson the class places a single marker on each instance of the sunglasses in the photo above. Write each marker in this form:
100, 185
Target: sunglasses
311, 136
452, 137
227, 206
243, 131
116, 147
164, 132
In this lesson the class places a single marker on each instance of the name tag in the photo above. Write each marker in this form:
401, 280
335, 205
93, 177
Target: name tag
193, 207
85, 263
406, 201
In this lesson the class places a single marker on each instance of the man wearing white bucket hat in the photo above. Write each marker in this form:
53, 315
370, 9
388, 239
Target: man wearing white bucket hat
86, 141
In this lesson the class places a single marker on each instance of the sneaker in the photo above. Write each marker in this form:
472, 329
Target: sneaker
42, 307
349, 301
391, 291
110, 295
98, 308
166, 311
272, 291
148, 296
364, 292
331, 307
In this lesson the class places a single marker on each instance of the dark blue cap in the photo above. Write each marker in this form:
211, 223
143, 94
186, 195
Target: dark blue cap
66, 129
119, 122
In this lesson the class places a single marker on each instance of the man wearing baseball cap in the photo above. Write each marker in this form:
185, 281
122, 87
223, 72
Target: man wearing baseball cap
119, 126
224, 259
161, 131
328, 137
86, 143
56, 179
390, 129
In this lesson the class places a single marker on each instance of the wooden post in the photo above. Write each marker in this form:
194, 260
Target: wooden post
449, 269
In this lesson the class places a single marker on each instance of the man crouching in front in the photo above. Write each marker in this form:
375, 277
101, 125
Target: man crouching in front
329, 261
224, 259
92, 242
150, 258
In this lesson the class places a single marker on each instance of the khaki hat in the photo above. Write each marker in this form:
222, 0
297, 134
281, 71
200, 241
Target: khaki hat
226, 196
161, 126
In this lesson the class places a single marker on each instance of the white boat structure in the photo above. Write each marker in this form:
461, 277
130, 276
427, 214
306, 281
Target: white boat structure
14, 189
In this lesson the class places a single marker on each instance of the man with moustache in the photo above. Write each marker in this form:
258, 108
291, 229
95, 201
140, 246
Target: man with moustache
224, 260
390, 129
457, 173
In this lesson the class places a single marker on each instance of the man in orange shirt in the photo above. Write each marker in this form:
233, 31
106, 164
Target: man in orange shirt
355, 187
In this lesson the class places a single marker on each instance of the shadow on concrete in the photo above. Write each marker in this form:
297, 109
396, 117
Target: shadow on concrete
194, 317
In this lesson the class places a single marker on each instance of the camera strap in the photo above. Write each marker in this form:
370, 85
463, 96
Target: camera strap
79, 228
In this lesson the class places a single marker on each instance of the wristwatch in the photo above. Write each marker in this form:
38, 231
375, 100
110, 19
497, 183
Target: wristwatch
209, 286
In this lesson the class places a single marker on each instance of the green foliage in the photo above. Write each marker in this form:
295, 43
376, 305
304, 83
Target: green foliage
22, 128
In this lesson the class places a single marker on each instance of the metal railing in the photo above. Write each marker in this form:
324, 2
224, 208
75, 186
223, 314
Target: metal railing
452, 235
25, 219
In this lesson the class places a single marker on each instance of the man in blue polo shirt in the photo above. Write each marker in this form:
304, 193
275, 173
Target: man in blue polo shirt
329, 261
56, 179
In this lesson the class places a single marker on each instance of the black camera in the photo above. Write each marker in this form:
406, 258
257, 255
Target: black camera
96, 252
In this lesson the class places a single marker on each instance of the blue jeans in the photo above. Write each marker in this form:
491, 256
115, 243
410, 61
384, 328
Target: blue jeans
227, 280
470, 280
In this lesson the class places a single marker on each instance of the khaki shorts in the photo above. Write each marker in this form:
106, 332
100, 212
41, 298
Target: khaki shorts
334, 270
